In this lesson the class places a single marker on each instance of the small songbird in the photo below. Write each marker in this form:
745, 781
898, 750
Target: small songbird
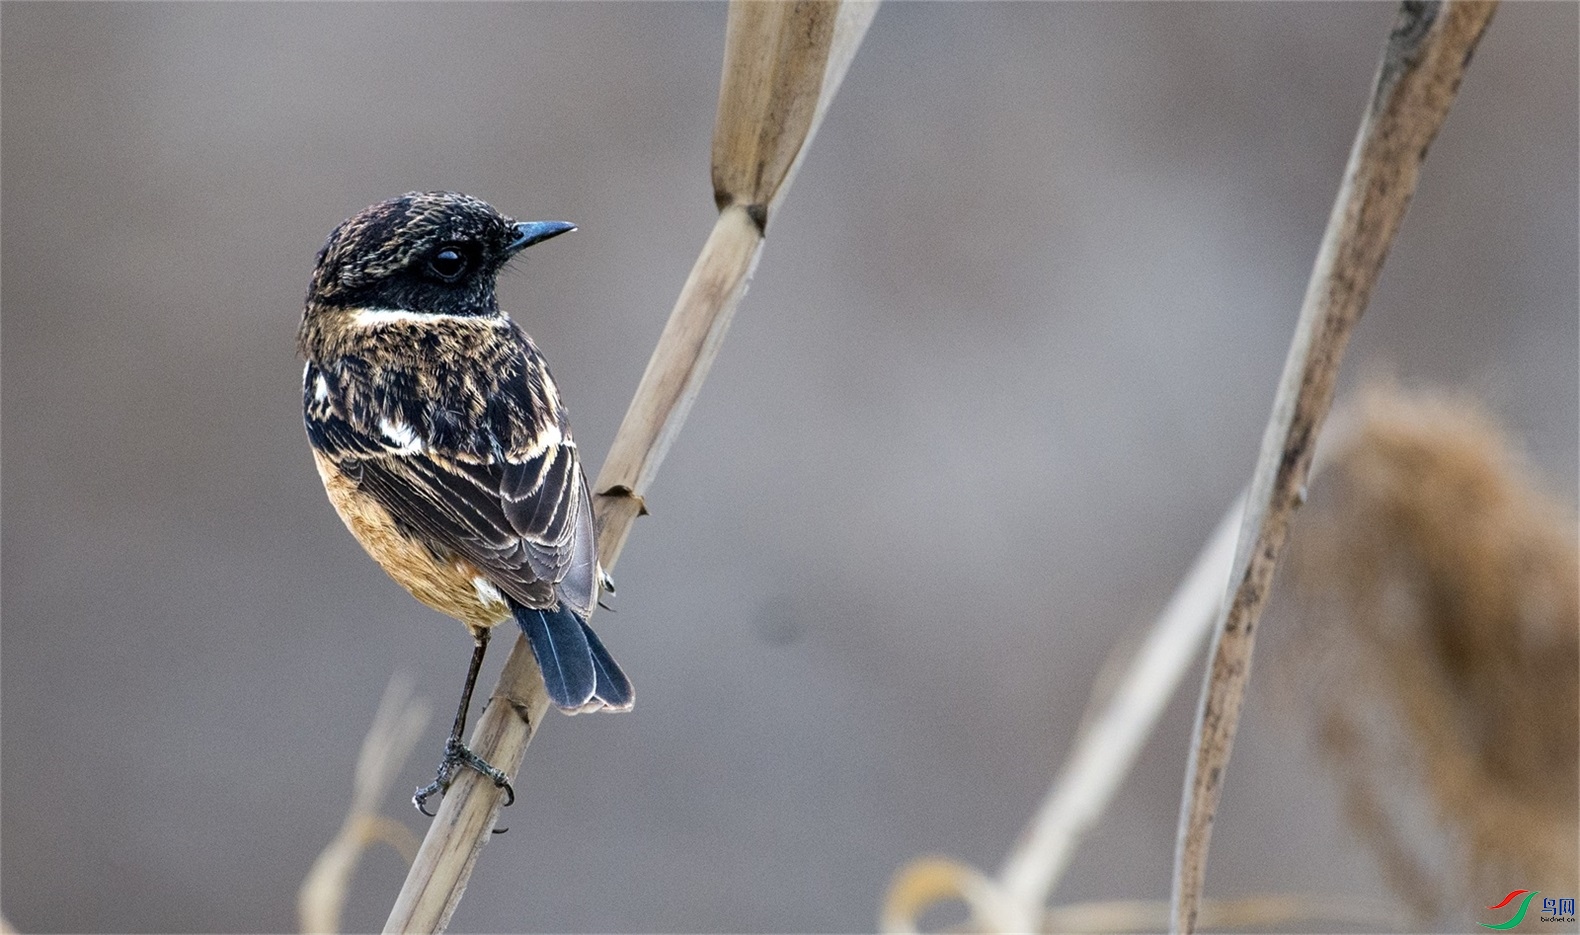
444, 446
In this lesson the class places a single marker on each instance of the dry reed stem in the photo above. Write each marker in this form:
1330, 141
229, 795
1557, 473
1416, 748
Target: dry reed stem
748, 196
1118, 724
1437, 664
397, 725
1109, 743
932, 881
774, 60
771, 70
1106, 747
1425, 58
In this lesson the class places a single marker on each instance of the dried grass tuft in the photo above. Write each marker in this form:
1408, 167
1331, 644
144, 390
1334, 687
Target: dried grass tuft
1441, 651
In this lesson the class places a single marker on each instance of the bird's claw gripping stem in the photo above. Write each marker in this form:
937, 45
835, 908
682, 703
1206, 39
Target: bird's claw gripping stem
456, 754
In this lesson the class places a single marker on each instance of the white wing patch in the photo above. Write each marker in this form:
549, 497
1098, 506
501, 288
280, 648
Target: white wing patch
403, 436
486, 592
320, 389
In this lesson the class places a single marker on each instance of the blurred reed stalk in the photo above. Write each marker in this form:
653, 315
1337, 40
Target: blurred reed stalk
1436, 661
1425, 58
1422, 65
1107, 745
397, 725
934, 881
782, 64
1437, 665
1127, 702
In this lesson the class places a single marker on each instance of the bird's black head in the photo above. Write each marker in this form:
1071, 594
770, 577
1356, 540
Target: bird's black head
425, 252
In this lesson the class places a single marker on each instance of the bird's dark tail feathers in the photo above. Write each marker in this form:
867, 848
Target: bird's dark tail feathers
578, 671
613, 688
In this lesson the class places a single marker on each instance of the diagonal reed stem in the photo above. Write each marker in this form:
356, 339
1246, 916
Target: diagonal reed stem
783, 62
1422, 65
396, 728
1109, 744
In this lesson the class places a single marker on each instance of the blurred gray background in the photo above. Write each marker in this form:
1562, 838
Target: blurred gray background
1006, 358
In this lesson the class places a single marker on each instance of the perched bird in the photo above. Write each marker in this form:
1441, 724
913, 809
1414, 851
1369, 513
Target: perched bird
444, 446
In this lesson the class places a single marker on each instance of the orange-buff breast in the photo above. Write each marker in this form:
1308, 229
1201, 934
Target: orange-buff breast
453, 587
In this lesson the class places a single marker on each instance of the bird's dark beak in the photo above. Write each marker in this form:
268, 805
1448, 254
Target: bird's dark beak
531, 232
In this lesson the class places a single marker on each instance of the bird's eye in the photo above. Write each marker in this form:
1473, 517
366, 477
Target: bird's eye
448, 264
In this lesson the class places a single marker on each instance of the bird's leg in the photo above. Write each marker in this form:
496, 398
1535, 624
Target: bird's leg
455, 752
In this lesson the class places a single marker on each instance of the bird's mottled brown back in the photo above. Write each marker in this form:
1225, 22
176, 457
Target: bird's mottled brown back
444, 446
442, 413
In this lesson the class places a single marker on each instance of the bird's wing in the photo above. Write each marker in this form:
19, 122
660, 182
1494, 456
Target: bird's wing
505, 491
545, 498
